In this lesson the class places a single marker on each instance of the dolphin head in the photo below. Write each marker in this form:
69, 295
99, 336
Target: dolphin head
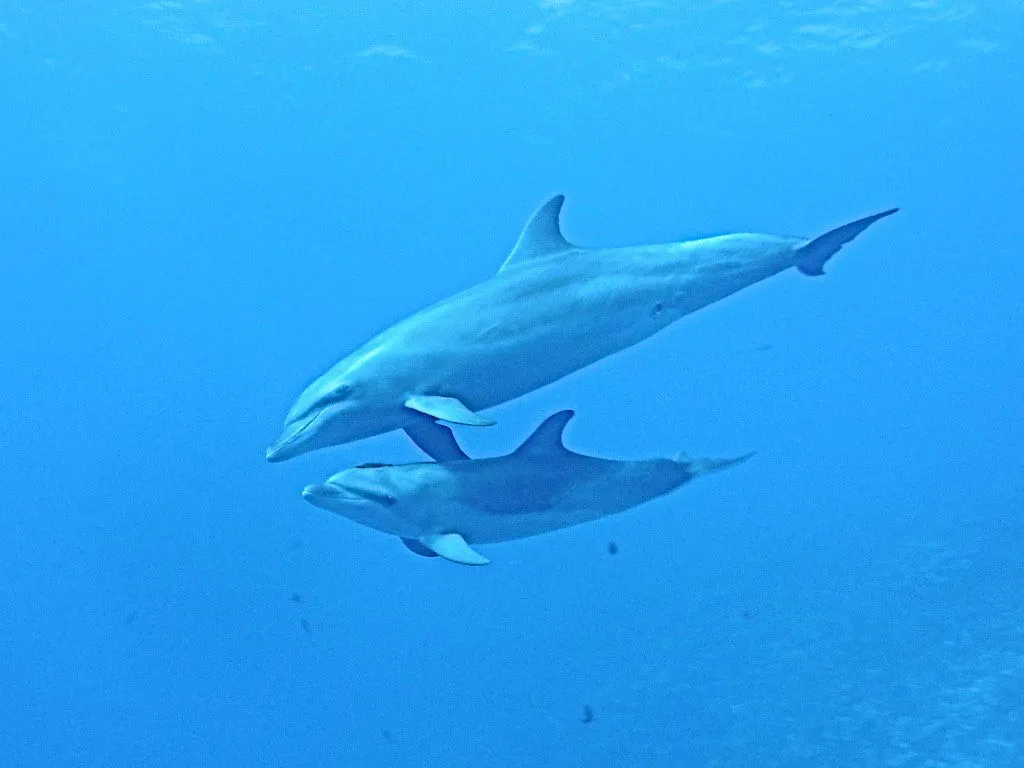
328, 412
370, 494
352, 488
347, 403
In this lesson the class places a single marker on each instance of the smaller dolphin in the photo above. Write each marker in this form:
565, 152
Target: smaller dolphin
445, 507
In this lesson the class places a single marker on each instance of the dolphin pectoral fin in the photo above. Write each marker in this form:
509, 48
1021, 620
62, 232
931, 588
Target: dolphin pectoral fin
812, 255
447, 409
451, 546
414, 546
435, 440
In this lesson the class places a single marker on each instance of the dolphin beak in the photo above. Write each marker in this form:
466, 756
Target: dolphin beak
330, 496
291, 442
325, 496
278, 452
313, 493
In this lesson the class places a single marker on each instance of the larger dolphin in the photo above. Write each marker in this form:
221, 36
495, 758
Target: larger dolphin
443, 508
552, 309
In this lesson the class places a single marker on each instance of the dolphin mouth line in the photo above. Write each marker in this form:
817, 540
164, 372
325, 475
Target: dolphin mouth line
333, 492
294, 435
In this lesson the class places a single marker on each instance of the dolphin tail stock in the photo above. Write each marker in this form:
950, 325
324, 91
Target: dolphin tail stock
812, 255
698, 467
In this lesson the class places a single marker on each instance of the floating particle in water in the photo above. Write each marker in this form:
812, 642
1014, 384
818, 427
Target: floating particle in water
306, 626
386, 734
130, 617
588, 714
613, 548
748, 614
296, 597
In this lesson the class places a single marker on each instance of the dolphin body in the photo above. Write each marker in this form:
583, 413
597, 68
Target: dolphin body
445, 507
552, 309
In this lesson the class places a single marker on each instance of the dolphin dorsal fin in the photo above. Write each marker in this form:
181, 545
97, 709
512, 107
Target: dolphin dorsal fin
547, 438
542, 236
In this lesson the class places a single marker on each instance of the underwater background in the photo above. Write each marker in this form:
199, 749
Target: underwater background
204, 203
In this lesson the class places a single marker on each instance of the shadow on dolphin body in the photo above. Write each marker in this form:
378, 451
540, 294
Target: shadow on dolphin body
551, 309
445, 507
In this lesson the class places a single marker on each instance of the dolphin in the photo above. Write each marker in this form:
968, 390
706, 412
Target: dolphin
552, 309
445, 507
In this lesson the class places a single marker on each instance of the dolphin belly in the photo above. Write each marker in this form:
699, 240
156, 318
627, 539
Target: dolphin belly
480, 527
483, 528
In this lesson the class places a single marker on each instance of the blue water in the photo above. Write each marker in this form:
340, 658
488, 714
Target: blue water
204, 204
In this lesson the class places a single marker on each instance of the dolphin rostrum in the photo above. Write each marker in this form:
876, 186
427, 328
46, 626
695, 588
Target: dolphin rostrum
552, 309
444, 508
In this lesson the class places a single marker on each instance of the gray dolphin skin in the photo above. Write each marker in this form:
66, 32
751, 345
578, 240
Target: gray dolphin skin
445, 507
552, 309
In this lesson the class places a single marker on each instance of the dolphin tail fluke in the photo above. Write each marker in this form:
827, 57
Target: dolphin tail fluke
812, 255
699, 467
